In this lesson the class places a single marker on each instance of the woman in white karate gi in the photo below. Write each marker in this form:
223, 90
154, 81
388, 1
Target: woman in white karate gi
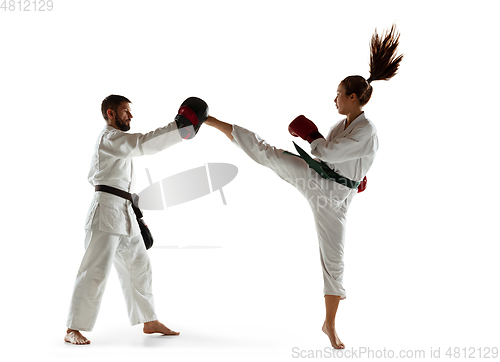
349, 149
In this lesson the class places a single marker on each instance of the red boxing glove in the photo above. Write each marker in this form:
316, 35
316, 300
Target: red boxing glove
304, 128
362, 185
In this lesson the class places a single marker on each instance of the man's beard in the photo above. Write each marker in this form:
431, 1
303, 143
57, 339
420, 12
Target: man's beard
122, 125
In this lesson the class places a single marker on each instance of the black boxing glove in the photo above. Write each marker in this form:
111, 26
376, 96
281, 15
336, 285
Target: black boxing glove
191, 115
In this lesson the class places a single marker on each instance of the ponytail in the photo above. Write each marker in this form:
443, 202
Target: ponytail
383, 61
383, 65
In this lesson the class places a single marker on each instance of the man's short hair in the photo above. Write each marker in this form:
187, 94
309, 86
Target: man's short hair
112, 102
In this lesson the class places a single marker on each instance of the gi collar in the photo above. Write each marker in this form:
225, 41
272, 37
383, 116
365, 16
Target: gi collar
358, 119
111, 128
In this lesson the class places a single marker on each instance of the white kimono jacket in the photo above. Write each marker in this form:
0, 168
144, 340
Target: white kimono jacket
349, 152
112, 166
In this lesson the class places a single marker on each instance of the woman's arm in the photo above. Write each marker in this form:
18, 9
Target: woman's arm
224, 127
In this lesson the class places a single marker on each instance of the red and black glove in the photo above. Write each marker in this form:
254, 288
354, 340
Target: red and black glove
191, 115
304, 128
362, 185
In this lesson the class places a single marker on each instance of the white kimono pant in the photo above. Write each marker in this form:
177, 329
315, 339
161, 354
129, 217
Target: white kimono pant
329, 215
132, 264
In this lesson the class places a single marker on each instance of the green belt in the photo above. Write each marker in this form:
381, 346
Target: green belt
323, 170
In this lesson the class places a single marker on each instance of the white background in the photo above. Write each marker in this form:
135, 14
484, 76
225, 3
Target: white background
422, 242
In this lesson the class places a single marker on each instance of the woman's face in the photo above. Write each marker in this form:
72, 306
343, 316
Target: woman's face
342, 101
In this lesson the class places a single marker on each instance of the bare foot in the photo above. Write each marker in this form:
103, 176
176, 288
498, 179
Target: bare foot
75, 337
329, 330
157, 327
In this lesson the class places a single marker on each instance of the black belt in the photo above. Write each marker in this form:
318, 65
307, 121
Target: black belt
323, 170
133, 198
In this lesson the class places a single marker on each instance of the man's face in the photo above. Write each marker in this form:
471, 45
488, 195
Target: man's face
123, 117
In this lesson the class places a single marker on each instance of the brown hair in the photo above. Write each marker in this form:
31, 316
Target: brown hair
112, 101
383, 65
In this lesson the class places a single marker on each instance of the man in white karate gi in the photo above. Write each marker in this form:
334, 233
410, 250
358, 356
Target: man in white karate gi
112, 232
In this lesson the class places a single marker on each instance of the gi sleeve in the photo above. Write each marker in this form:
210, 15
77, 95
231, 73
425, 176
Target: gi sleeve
361, 142
126, 145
